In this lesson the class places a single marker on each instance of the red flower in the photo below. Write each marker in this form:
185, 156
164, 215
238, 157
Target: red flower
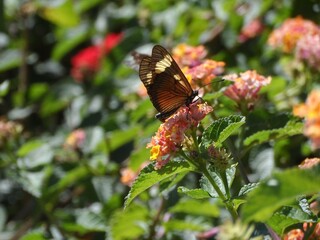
87, 62
111, 41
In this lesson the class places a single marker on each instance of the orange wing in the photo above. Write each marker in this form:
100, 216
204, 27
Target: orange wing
166, 85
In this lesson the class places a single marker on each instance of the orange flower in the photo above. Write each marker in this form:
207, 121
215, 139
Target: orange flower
128, 175
287, 36
311, 112
295, 234
246, 87
170, 134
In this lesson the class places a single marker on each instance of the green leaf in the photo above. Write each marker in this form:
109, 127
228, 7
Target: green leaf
70, 178
34, 235
69, 42
279, 222
187, 225
85, 5
221, 129
63, 15
118, 138
290, 129
247, 188
207, 186
279, 190
3, 217
90, 220
9, 59
169, 183
4, 88
127, 224
196, 207
38, 156
194, 193
149, 176
28, 147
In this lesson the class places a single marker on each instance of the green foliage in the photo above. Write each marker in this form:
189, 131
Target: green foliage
75, 123
280, 190
149, 176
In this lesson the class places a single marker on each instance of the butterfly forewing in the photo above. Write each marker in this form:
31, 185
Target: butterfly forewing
166, 85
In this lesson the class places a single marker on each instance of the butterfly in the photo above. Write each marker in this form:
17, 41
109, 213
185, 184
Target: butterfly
166, 85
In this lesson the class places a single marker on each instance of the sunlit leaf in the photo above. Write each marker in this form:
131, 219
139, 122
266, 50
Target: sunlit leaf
194, 193
149, 176
62, 14
221, 129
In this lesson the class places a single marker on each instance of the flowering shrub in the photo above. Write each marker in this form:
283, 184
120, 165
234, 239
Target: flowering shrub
84, 159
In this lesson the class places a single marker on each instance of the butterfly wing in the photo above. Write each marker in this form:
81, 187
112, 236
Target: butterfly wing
166, 85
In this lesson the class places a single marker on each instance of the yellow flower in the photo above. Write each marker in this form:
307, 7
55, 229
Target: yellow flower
154, 152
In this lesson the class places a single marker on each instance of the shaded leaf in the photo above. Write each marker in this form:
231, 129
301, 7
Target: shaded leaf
290, 129
279, 190
196, 207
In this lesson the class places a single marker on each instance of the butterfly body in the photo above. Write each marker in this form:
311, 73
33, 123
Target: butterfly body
167, 86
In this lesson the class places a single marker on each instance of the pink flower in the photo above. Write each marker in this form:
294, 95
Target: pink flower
288, 34
188, 56
171, 133
88, 61
76, 139
203, 73
308, 49
251, 30
246, 87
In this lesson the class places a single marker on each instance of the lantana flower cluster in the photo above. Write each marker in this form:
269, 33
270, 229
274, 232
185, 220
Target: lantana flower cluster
199, 70
244, 91
298, 36
171, 134
311, 112
75, 139
88, 61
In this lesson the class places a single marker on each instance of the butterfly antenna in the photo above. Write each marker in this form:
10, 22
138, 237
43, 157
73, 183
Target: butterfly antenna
214, 81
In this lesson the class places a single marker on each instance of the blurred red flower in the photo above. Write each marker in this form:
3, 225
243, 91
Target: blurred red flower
87, 62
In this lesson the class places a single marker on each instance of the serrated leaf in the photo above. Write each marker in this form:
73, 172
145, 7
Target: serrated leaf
125, 224
247, 188
194, 193
290, 129
196, 207
279, 190
221, 129
279, 222
149, 176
